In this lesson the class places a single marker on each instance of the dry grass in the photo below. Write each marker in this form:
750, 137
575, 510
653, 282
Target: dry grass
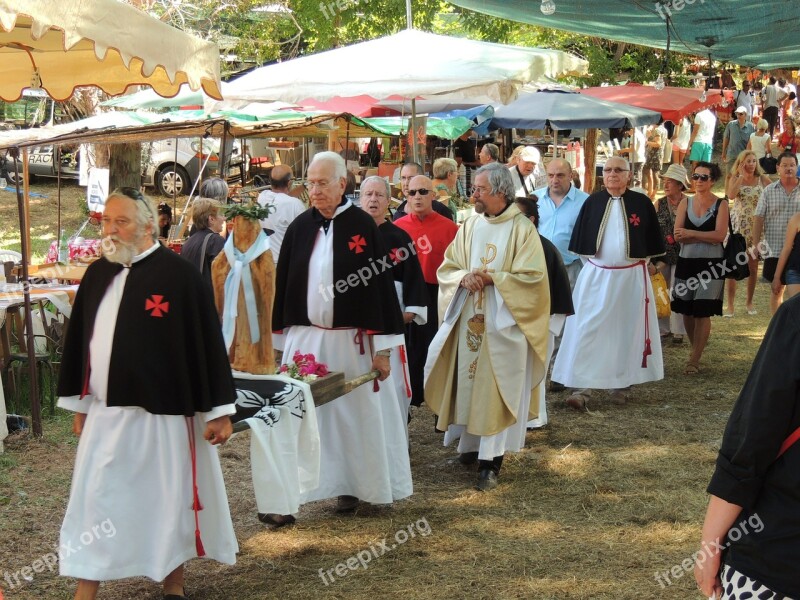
591, 509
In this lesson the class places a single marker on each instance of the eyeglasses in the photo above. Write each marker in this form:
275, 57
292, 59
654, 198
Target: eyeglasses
699, 177
615, 170
421, 192
317, 184
480, 190
135, 195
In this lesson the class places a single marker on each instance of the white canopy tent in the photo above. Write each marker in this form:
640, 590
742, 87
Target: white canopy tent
410, 63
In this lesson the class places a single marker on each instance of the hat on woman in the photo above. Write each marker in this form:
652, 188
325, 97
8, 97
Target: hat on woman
678, 173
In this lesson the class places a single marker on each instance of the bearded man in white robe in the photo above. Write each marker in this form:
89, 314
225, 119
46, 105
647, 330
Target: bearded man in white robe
146, 372
486, 361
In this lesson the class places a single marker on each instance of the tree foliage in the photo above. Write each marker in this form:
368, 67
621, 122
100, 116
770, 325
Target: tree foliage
260, 31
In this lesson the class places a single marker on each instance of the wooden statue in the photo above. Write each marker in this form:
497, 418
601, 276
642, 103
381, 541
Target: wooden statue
244, 354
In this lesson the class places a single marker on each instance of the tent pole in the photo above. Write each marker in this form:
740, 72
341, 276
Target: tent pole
26, 189
413, 131
175, 172
555, 143
409, 19
36, 407
57, 158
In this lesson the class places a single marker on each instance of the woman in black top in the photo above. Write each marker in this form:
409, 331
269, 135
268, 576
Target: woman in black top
205, 243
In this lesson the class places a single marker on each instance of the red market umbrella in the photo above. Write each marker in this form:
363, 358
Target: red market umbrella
673, 103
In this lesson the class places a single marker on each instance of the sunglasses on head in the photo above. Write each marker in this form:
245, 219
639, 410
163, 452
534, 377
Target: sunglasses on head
133, 194
421, 192
699, 177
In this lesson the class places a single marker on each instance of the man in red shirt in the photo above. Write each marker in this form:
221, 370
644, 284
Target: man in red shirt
431, 234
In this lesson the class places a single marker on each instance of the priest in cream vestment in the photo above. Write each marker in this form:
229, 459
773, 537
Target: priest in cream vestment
486, 361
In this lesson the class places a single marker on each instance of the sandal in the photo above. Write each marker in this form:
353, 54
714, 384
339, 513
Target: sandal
691, 369
577, 401
276, 520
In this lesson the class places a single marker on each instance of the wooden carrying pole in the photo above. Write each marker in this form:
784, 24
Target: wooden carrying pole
326, 389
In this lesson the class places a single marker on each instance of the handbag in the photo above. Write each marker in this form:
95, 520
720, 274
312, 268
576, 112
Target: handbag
661, 293
768, 164
736, 247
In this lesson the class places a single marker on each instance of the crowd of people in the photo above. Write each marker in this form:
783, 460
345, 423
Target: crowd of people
469, 319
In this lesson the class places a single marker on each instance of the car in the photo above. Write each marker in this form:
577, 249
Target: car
170, 176
41, 163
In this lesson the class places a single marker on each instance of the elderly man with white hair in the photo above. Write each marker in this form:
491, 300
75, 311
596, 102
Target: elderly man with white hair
528, 174
335, 299
407, 273
146, 373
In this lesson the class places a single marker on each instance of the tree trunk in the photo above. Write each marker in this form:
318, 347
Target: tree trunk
125, 166
590, 161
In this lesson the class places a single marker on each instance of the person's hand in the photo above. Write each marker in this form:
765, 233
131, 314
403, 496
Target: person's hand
408, 317
77, 423
651, 269
218, 430
777, 286
472, 282
381, 363
485, 277
682, 235
753, 251
706, 574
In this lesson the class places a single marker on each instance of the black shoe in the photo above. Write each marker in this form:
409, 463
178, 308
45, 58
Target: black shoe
487, 480
276, 520
346, 504
468, 458
556, 387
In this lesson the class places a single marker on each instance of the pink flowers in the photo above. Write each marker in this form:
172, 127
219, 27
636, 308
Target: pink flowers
303, 367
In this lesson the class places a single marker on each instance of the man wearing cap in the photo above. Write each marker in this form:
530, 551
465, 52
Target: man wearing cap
734, 140
525, 173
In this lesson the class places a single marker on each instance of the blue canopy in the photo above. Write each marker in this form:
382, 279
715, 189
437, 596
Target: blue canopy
568, 110
480, 115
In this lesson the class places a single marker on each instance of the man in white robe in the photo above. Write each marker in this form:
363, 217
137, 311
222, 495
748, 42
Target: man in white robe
146, 484
335, 299
612, 341
488, 357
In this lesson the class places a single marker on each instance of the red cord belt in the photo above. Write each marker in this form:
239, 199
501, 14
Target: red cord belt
647, 350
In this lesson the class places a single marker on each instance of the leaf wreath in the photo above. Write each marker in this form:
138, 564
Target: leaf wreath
254, 211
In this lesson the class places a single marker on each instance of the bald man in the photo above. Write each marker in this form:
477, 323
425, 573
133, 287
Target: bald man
431, 234
285, 208
560, 204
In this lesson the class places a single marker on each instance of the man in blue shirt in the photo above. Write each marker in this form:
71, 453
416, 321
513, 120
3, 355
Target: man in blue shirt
559, 205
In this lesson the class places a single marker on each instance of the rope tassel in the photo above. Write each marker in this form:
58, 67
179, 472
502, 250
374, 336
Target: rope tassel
196, 505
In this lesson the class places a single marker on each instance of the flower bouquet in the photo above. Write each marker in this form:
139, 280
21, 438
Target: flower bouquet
303, 367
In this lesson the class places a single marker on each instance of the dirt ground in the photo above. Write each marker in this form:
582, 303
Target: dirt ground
595, 506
